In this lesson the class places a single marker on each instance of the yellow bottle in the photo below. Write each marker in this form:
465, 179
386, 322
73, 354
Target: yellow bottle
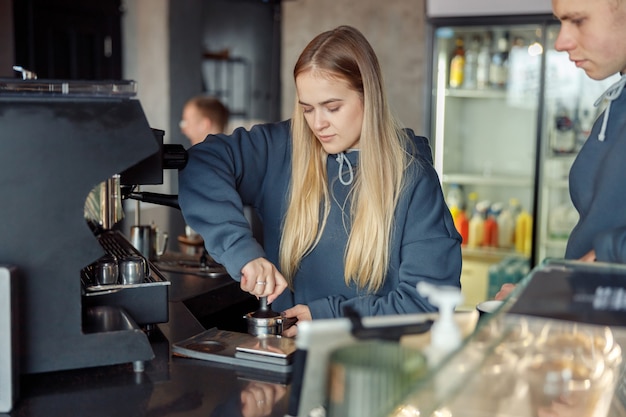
523, 233
457, 65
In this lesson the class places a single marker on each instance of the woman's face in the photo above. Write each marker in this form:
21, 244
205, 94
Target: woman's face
333, 111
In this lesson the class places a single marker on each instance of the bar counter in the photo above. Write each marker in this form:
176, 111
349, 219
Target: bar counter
169, 385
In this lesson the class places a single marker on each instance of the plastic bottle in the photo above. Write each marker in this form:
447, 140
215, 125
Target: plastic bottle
472, 200
506, 229
523, 233
457, 64
455, 199
471, 63
491, 226
483, 61
586, 117
499, 68
445, 335
462, 226
476, 235
562, 132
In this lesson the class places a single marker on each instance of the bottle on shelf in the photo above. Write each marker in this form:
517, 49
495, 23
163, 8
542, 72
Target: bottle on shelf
472, 200
491, 226
483, 61
476, 234
585, 119
562, 132
523, 233
499, 68
462, 226
471, 63
457, 64
455, 197
506, 228
561, 221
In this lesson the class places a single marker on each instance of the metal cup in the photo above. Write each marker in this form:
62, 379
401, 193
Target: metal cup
133, 270
106, 271
149, 241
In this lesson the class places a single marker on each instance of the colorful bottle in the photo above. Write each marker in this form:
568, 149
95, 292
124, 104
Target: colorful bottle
457, 65
491, 227
523, 233
462, 226
476, 235
506, 229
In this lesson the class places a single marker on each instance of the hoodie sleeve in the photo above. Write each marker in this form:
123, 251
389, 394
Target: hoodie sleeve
222, 174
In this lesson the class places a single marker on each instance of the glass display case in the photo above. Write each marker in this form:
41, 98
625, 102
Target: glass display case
532, 358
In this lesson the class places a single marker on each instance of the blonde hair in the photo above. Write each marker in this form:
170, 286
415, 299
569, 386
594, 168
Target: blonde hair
345, 54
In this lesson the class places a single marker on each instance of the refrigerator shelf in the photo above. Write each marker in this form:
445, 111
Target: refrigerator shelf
476, 93
492, 180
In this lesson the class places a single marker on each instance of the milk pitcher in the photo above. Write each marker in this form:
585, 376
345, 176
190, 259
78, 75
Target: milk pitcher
149, 240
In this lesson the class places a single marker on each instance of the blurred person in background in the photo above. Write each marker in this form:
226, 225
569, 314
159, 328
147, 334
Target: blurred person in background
202, 116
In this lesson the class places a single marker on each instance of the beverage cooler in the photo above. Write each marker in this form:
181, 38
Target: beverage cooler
508, 113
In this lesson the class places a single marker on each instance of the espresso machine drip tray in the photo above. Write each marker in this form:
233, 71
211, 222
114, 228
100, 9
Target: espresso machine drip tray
146, 301
202, 265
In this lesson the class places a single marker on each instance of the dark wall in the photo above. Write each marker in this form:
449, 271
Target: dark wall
248, 29
6, 39
69, 39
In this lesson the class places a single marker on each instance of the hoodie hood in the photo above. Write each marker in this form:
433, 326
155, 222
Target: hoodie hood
609, 95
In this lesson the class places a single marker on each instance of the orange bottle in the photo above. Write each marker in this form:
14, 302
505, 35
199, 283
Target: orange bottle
491, 231
462, 226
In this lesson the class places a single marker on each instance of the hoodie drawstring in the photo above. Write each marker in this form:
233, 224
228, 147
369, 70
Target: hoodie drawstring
610, 94
341, 159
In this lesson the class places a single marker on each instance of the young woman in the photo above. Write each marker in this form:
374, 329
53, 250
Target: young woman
352, 209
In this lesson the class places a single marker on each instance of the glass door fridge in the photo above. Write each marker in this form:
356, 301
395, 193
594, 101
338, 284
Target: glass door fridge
508, 114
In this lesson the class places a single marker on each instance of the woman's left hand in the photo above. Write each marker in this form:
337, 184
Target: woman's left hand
300, 312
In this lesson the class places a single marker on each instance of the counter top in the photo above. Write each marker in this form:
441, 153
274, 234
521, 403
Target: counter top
169, 386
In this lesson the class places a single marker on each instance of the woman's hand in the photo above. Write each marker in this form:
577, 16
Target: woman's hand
300, 312
261, 278
504, 292
589, 256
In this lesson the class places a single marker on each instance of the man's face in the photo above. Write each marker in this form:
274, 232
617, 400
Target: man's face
593, 33
193, 125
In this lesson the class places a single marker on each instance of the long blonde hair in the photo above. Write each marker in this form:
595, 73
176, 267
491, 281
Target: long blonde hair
345, 54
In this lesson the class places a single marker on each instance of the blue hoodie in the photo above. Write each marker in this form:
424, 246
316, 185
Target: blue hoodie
253, 168
597, 183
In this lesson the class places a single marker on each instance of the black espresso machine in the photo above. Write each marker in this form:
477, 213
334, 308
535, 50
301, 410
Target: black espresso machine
61, 143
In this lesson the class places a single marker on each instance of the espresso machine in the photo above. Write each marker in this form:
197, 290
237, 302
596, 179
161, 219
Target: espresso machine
63, 144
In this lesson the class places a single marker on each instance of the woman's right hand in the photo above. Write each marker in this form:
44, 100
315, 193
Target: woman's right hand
261, 278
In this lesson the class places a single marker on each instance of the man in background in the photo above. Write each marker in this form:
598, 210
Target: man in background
202, 116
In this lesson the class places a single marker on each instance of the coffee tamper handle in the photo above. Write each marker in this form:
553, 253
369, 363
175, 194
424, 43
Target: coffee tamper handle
263, 304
